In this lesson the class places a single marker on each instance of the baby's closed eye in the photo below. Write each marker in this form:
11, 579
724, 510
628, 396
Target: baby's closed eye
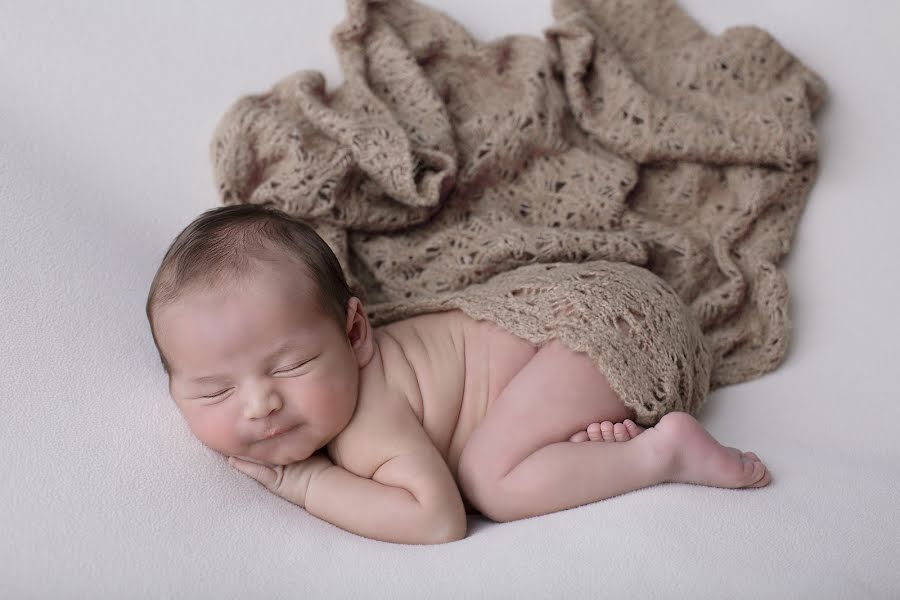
285, 370
294, 368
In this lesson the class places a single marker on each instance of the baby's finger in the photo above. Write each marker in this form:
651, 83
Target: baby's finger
261, 473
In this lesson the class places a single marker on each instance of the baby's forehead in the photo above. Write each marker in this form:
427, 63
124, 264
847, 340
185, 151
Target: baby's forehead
276, 277
271, 291
195, 347
249, 299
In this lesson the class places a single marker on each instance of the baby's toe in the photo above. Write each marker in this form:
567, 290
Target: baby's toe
581, 436
766, 480
755, 472
607, 431
633, 428
761, 474
620, 433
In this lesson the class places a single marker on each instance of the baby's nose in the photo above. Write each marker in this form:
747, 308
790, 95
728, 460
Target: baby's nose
262, 405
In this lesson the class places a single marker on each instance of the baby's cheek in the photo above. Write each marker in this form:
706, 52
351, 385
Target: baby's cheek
327, 391
325, 407
215, 428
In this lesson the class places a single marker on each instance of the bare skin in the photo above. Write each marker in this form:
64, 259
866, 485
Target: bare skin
439, 406
698, 457
607, 431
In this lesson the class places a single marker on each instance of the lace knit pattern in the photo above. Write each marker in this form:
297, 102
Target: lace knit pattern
627, 184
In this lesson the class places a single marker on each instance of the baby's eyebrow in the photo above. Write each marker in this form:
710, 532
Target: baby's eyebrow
285, 347
206, 378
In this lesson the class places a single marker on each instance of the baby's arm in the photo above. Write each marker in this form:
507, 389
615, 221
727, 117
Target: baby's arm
411, 499
416, 500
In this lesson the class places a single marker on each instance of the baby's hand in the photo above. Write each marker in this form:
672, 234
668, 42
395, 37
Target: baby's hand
288, 481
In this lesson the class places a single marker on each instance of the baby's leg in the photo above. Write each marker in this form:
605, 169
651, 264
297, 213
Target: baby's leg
519, 461
556, 393
565, 474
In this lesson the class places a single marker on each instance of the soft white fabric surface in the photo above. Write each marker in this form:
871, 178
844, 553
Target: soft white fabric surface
106, 109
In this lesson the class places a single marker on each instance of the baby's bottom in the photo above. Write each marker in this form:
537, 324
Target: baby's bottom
519, 461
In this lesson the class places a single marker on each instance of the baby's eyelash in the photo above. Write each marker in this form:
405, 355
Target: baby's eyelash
288, 370
282, 371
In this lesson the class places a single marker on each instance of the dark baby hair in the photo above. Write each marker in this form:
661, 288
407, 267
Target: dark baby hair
223, 244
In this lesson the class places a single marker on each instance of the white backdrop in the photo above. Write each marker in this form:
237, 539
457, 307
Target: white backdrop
106, 110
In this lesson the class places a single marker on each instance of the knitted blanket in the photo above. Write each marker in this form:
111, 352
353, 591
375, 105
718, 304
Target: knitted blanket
628, 184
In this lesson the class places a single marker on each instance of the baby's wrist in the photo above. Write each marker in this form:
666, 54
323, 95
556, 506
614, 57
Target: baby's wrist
319, 465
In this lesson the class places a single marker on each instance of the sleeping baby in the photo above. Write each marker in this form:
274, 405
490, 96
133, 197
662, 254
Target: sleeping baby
394, 432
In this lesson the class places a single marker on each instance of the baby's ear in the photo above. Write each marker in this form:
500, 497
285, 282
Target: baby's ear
359, 332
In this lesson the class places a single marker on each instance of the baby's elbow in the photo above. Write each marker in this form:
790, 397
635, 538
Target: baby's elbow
451, 530
445, 526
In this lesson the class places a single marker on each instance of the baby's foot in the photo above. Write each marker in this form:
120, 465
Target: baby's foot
698, 458
607, 431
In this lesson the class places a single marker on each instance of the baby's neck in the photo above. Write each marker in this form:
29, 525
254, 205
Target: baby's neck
372, 384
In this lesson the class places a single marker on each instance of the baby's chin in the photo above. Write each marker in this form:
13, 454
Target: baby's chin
251, 459
282, 458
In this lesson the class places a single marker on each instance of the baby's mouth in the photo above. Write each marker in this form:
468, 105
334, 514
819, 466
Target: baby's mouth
277, 431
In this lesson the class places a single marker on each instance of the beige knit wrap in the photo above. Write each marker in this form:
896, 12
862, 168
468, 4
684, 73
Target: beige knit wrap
628, 184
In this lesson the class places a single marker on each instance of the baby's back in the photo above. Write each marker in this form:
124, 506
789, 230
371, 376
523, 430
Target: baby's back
449, 368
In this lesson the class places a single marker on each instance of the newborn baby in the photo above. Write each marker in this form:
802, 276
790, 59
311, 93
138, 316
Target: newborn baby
394, 432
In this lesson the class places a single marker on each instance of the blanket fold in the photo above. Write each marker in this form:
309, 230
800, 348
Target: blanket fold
628, 184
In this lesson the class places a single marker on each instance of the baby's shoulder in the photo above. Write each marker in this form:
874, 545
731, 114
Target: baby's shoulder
431, 340
430, 327
376, 436
384, 422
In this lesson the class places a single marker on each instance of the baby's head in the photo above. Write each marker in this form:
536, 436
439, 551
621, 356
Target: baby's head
258, 332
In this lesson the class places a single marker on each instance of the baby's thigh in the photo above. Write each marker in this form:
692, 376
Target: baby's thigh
562, 388
557, 393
